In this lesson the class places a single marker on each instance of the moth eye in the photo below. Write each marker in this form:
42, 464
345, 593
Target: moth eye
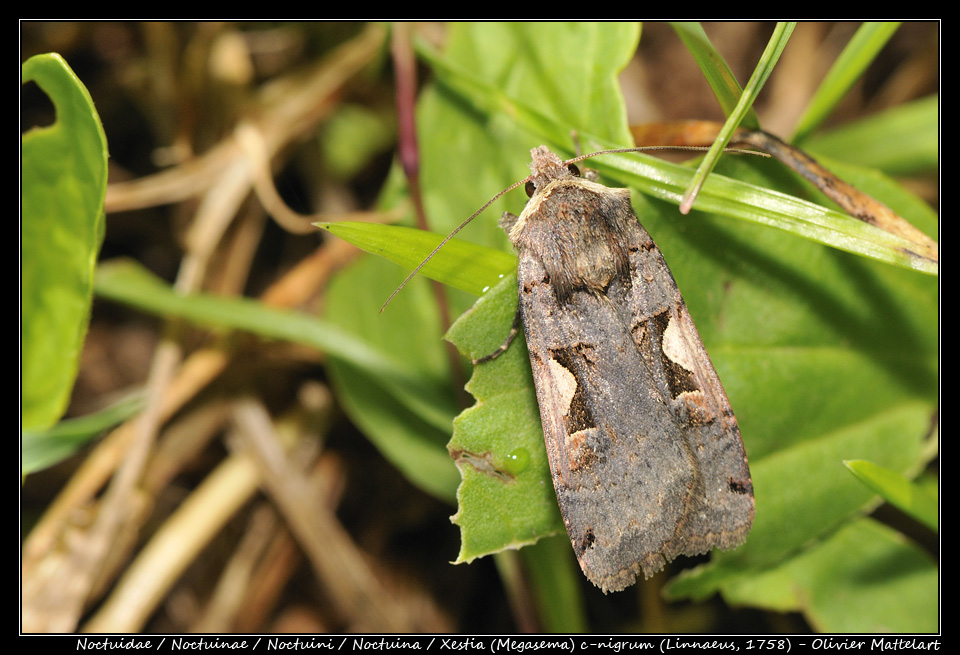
573, 170
530, 187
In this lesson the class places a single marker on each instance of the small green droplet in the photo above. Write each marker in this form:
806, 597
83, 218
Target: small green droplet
517, 461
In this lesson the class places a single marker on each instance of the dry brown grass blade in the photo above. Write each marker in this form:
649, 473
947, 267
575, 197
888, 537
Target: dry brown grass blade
361, 600
59, 574
850, 199
288, 110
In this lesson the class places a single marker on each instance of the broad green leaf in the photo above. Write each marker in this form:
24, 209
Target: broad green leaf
63, 182
914, 499
805, 492
408, 332
351, 136
864, 579
902, 140
481, 64
847, 69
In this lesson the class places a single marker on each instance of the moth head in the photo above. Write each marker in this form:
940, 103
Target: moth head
531, 186
545, 168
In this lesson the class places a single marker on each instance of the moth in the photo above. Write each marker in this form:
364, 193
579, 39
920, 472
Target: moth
645, 452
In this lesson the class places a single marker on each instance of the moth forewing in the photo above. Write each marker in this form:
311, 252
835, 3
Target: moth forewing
645, 453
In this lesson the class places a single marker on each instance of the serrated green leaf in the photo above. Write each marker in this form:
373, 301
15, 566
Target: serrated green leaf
506, 499
63, 182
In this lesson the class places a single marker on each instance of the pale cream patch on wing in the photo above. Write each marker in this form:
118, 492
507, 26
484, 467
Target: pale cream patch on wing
676, 347
565, 383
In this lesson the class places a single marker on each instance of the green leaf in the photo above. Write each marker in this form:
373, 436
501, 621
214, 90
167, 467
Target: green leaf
128, 282
498, 443
805, 493
63, 183
351, 136
47, 447
715, 70
902, 140
481, 64
914, 499
460, 264
555, 581
407, 332
778, 41
847, 69
767, 206
866, 578
424, 396
879, 185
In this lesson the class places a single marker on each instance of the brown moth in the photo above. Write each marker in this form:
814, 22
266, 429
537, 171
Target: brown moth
644, 449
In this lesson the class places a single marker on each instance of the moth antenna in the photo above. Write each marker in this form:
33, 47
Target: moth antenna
527, 179
450, 236
614, 151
